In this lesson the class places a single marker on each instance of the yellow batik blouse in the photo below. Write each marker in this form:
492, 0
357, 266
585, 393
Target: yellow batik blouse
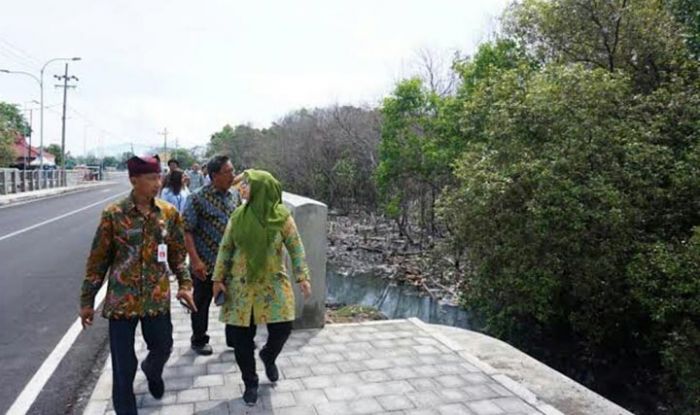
269, 298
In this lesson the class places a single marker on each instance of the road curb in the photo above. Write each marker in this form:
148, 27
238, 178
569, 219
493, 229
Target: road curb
29, 197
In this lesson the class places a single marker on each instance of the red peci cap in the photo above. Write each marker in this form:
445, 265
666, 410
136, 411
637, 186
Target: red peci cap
143, 165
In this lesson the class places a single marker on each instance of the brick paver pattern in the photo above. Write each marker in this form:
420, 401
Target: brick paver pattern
394, 367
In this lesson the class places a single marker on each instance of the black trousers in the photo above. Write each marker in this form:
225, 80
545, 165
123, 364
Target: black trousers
241, 338
158, 333
200, 319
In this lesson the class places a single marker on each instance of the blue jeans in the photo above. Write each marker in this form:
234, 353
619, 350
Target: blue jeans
158, 333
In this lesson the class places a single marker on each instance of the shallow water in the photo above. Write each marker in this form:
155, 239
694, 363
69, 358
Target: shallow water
392, 300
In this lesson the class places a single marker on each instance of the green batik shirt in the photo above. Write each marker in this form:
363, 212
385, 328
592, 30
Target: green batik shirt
125, 249
270, 298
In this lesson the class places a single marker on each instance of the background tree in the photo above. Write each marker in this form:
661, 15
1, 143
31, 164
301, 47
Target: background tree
123, 159
687, 12
576, 194
88, 160
13, 120
110, 161
638, 37
184, 156
12, 125
55, 150
327, 153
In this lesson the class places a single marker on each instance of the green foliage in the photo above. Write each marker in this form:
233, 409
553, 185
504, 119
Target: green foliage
638, 37
238, 143
415, 151
566, 177
13, 120
576, 185
7, 154
422, 136
110, 161
491, 58
55, 150
539, 195
687, 12
666, 283
88, 160
12, 124
329, 153
405, 115
184, 156
123, 159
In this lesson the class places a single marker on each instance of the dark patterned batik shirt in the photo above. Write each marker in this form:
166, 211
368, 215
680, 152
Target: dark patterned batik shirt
125, 248
206, 214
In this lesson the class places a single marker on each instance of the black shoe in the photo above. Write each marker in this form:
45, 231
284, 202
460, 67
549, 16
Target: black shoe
203, 350
155, 386
250, 396
270, 367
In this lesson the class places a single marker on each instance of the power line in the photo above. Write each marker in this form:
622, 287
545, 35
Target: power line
27, 56
16, 60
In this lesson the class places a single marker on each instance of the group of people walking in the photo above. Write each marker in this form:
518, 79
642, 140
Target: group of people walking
234, 240
179, 184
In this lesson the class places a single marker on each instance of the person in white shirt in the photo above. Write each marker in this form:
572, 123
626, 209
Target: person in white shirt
175, 192
196, 178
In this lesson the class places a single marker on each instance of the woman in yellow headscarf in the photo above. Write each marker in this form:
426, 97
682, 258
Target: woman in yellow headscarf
250, 271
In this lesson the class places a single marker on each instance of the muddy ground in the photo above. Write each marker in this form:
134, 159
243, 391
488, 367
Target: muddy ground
364, 243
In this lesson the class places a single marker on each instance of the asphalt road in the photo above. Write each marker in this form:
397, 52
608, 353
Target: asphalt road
41, 270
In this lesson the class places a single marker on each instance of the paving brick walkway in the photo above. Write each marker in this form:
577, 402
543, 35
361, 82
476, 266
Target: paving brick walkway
395, 366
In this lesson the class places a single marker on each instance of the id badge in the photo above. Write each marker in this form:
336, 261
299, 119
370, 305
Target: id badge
162, 253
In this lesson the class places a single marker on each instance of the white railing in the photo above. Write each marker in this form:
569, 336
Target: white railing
19, 181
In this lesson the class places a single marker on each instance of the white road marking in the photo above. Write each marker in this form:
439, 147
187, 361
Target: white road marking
32, 389
25, 399
65, 215
41, 199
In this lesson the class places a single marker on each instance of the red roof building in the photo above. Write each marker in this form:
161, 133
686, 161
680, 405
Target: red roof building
24, 150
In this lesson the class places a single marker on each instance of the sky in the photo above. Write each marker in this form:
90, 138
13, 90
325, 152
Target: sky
193, 67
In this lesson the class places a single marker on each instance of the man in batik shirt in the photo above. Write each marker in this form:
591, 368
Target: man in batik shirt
138, 240
206, 215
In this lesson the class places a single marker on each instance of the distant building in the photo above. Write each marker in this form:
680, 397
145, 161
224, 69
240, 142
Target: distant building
30, 154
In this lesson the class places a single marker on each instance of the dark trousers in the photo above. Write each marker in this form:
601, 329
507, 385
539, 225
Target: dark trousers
241, 338
158, 333
200, 319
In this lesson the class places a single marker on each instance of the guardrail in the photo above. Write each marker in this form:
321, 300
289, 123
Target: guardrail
19, 181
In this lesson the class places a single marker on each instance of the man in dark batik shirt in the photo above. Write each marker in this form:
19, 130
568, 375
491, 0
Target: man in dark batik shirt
206, 214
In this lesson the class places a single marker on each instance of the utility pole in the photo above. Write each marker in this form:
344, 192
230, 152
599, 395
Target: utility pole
65, 78
165, 143
28, 155
31, 133
85, 128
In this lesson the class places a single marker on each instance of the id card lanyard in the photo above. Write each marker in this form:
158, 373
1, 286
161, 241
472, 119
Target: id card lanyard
162, 246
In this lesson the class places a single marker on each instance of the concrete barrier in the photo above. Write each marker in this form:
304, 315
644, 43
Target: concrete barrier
311, 217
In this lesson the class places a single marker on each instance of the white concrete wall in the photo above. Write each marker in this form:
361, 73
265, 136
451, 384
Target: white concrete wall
311, 218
